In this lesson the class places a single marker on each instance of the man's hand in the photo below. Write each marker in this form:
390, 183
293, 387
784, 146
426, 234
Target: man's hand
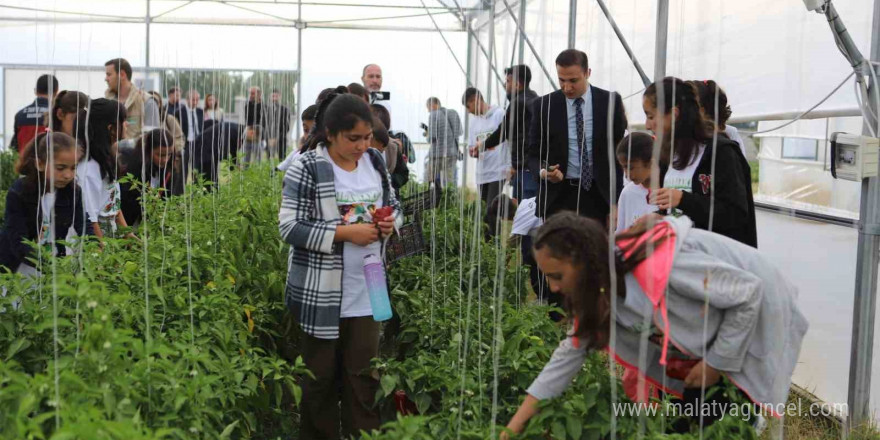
552, 174
473, 152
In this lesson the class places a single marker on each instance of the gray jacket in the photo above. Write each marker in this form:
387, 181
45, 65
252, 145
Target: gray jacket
726, 304
444, 129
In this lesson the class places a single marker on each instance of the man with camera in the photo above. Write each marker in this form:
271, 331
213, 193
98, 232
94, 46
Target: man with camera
372, 80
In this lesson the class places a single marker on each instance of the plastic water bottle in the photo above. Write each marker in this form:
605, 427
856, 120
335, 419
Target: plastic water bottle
374, 275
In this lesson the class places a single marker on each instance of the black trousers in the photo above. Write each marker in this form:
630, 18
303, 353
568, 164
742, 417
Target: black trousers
570, 196
488, 193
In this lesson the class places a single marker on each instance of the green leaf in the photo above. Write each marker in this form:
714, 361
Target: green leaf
423, 402
19, 345
297, 394
228, 430
558, 430
388, 382
574, 427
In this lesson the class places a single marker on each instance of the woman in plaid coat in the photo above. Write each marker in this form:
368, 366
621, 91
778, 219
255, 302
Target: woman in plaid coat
330, 198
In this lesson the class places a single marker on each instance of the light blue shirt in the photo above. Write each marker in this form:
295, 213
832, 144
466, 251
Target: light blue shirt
574, 152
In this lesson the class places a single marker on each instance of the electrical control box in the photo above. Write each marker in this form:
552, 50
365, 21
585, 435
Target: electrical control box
854, 157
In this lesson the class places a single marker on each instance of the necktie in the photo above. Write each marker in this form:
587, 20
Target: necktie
586, 154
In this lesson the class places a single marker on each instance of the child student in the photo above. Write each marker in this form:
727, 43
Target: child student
337, 206
634, 155
742, 323
45, 190
96, 174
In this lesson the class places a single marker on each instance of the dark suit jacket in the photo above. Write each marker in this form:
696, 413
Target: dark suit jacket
548, 141
181, 112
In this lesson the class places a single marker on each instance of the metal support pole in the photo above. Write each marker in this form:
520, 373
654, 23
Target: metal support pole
865, 301
147, 20
299, 75
572, 22
473, 34
5, 144
491, 54
470, 63
522, 20
531, 46
660, 43
629, 52
439, 31
486, 54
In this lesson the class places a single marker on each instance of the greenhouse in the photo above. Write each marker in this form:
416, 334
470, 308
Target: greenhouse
439, 219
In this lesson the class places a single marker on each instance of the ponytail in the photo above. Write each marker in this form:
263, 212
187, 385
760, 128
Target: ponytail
707, 90
691, 128
318, 135
338, 113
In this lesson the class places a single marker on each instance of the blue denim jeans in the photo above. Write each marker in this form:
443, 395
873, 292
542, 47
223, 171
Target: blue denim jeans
525, 185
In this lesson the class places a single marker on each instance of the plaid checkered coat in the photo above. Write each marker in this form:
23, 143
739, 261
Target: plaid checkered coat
307, 221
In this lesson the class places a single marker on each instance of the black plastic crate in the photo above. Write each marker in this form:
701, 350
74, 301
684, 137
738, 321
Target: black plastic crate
407, 242
417, 203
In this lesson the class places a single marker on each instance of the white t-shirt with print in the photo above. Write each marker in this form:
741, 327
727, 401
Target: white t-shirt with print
101, 198
358, 194
47, 205
683, 179
632, 205
493, 164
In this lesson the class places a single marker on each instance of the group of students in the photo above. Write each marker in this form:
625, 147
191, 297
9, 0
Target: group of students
687, 291
687, 283
70, 172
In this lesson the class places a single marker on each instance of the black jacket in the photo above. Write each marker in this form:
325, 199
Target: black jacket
515, 127
219, 142
734, 210
255, 114
548, 141
171, 180
277, 121
24, 216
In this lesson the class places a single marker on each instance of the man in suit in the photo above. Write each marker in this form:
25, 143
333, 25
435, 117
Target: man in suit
195, 122
277, 126
569, 142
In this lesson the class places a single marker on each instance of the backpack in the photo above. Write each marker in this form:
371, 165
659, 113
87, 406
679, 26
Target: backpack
408, 151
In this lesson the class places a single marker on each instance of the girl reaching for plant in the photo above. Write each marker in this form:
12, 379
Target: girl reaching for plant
331, 194
700, 299
45, 191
